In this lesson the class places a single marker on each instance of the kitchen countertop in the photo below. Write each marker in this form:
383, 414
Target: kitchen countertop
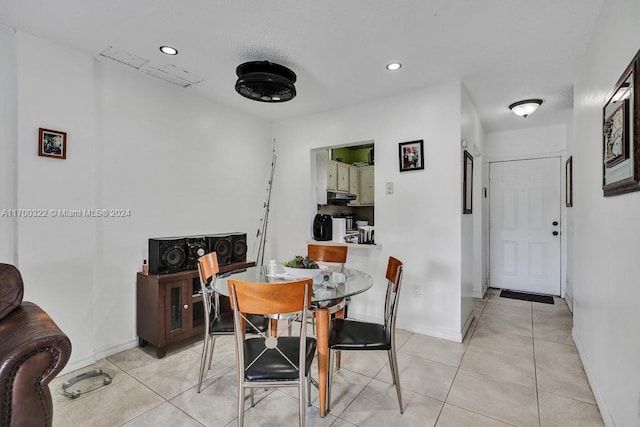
351, 245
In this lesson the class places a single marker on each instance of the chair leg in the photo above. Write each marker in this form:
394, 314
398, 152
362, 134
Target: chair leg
396, 373
203, 360
213, 344
393, 372
329, 381
301, 406
308, 389
241, 396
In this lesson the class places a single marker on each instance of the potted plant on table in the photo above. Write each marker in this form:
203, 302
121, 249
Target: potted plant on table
301, 266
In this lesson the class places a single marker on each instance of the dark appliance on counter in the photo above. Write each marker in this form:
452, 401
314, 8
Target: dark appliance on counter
322, 227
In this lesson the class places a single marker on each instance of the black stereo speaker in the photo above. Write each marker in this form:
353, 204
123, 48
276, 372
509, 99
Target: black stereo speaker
238, 247
175, 254
221, 245
168, 255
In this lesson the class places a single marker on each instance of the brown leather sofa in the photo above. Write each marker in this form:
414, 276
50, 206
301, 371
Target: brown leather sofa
33, 350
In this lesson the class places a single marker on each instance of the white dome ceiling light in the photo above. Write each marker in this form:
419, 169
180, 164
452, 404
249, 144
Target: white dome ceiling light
265, 81
526, 107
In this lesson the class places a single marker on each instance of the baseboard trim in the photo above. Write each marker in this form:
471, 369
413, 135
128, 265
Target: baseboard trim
600, 400
447, 335
75, 364
466, 326
569, 299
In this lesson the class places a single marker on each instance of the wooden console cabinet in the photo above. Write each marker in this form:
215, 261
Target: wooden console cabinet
169, 306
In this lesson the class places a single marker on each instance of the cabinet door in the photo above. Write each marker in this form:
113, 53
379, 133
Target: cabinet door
177, 308
343, 177
354, 185
332, 175
367, 193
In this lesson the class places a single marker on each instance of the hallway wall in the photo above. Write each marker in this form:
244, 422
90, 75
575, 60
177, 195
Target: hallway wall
606, 229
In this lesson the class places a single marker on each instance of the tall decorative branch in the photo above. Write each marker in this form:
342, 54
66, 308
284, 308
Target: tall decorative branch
261, 234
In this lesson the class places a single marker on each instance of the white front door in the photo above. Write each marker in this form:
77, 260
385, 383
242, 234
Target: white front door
524, 221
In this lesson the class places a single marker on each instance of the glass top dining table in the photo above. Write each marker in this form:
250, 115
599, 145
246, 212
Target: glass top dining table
325, 289
325, 293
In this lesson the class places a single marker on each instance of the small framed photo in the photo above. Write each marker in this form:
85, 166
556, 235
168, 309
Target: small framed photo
411, 156
52, 143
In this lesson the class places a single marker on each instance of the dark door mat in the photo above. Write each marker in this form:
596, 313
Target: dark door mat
546, 299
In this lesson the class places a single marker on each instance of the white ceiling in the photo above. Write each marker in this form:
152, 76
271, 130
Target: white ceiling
502, 50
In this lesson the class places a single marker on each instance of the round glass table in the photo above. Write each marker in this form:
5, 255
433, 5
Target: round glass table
325, 292
325, 289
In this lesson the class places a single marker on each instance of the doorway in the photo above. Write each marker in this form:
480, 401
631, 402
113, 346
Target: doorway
524, 225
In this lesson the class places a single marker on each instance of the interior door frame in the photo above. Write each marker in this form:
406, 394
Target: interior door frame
563, 216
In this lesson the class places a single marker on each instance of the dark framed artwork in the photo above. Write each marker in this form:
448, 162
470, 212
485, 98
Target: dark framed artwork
568, 176
411, 155
52, 143
621, 134
467, 183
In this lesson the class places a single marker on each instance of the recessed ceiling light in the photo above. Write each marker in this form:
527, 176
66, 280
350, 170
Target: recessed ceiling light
168, 50
394, 66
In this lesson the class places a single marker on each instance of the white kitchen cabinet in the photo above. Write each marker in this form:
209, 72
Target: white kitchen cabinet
332, 175
343, 177
353, 183
366, 193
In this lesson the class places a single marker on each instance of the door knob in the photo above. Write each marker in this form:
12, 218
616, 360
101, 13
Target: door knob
555, 222
555, 233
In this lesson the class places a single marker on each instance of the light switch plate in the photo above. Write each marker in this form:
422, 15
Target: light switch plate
389, 187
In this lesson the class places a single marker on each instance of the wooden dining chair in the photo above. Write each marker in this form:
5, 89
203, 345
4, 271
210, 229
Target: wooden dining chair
270, 360
352, 335
216, 323
335, 255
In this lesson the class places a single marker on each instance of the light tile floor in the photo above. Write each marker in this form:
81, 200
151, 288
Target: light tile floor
517, 366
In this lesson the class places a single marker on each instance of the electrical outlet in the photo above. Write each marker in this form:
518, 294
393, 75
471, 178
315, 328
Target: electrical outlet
389, 187
416, 291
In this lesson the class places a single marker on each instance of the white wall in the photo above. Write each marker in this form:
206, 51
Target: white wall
180, 164
529, 143
7, 149
474, 239
420, 223
55, 91
606, 230
533, 143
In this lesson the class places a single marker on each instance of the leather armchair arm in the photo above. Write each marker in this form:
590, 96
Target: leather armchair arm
33, 350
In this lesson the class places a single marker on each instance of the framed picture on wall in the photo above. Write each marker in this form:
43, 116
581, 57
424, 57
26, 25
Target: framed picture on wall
411, 156
621, 134
568, 175
467, 183
52, 143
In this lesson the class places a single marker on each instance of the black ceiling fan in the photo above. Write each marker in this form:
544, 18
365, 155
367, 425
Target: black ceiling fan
265, 81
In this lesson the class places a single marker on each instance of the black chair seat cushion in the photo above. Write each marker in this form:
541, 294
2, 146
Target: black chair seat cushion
353, 335
223, 324
272, 366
